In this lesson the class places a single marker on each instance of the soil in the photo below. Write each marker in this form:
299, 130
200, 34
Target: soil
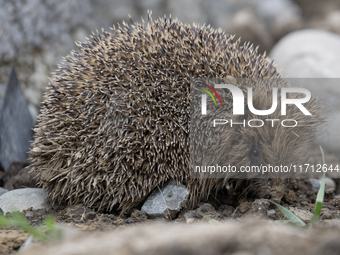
299, 198
11, 240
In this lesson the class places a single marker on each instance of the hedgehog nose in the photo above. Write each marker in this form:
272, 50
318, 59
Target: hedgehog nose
267, 196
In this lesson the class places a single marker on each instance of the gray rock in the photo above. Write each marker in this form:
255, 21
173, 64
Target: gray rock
167, 201
3, 191
315, 183
329, 183
309, 54
15, 124
22, 199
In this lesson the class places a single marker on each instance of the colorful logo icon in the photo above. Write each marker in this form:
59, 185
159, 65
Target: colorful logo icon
209, 93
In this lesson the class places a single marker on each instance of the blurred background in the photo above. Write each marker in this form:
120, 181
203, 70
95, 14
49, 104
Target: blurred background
35, 34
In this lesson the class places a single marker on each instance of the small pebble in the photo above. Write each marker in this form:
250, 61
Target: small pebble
315, 183
90, 216
270, 212
29, 214
189, 216
129, 221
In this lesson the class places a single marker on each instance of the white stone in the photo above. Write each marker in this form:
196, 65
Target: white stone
22, 199
330, 183
315, 183
315, 54
308, 53
270, 212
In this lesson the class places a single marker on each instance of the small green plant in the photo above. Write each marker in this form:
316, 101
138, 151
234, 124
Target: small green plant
318, 203
46, 232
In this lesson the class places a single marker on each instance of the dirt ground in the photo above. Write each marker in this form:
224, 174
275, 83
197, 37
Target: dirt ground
299, 198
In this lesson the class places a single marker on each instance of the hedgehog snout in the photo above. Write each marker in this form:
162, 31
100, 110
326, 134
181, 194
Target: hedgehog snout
273, 191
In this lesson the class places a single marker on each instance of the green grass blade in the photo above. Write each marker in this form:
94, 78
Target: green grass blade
283, 221
291, 216
19, 220
320, 196
286, 222
49, 223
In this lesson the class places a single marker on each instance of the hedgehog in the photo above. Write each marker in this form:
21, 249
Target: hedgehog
115, 120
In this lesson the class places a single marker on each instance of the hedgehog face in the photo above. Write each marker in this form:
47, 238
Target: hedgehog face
273, 146
277, 146
280, 141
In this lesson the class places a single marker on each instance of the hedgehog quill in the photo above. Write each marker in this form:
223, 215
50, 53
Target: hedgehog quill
115, 120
